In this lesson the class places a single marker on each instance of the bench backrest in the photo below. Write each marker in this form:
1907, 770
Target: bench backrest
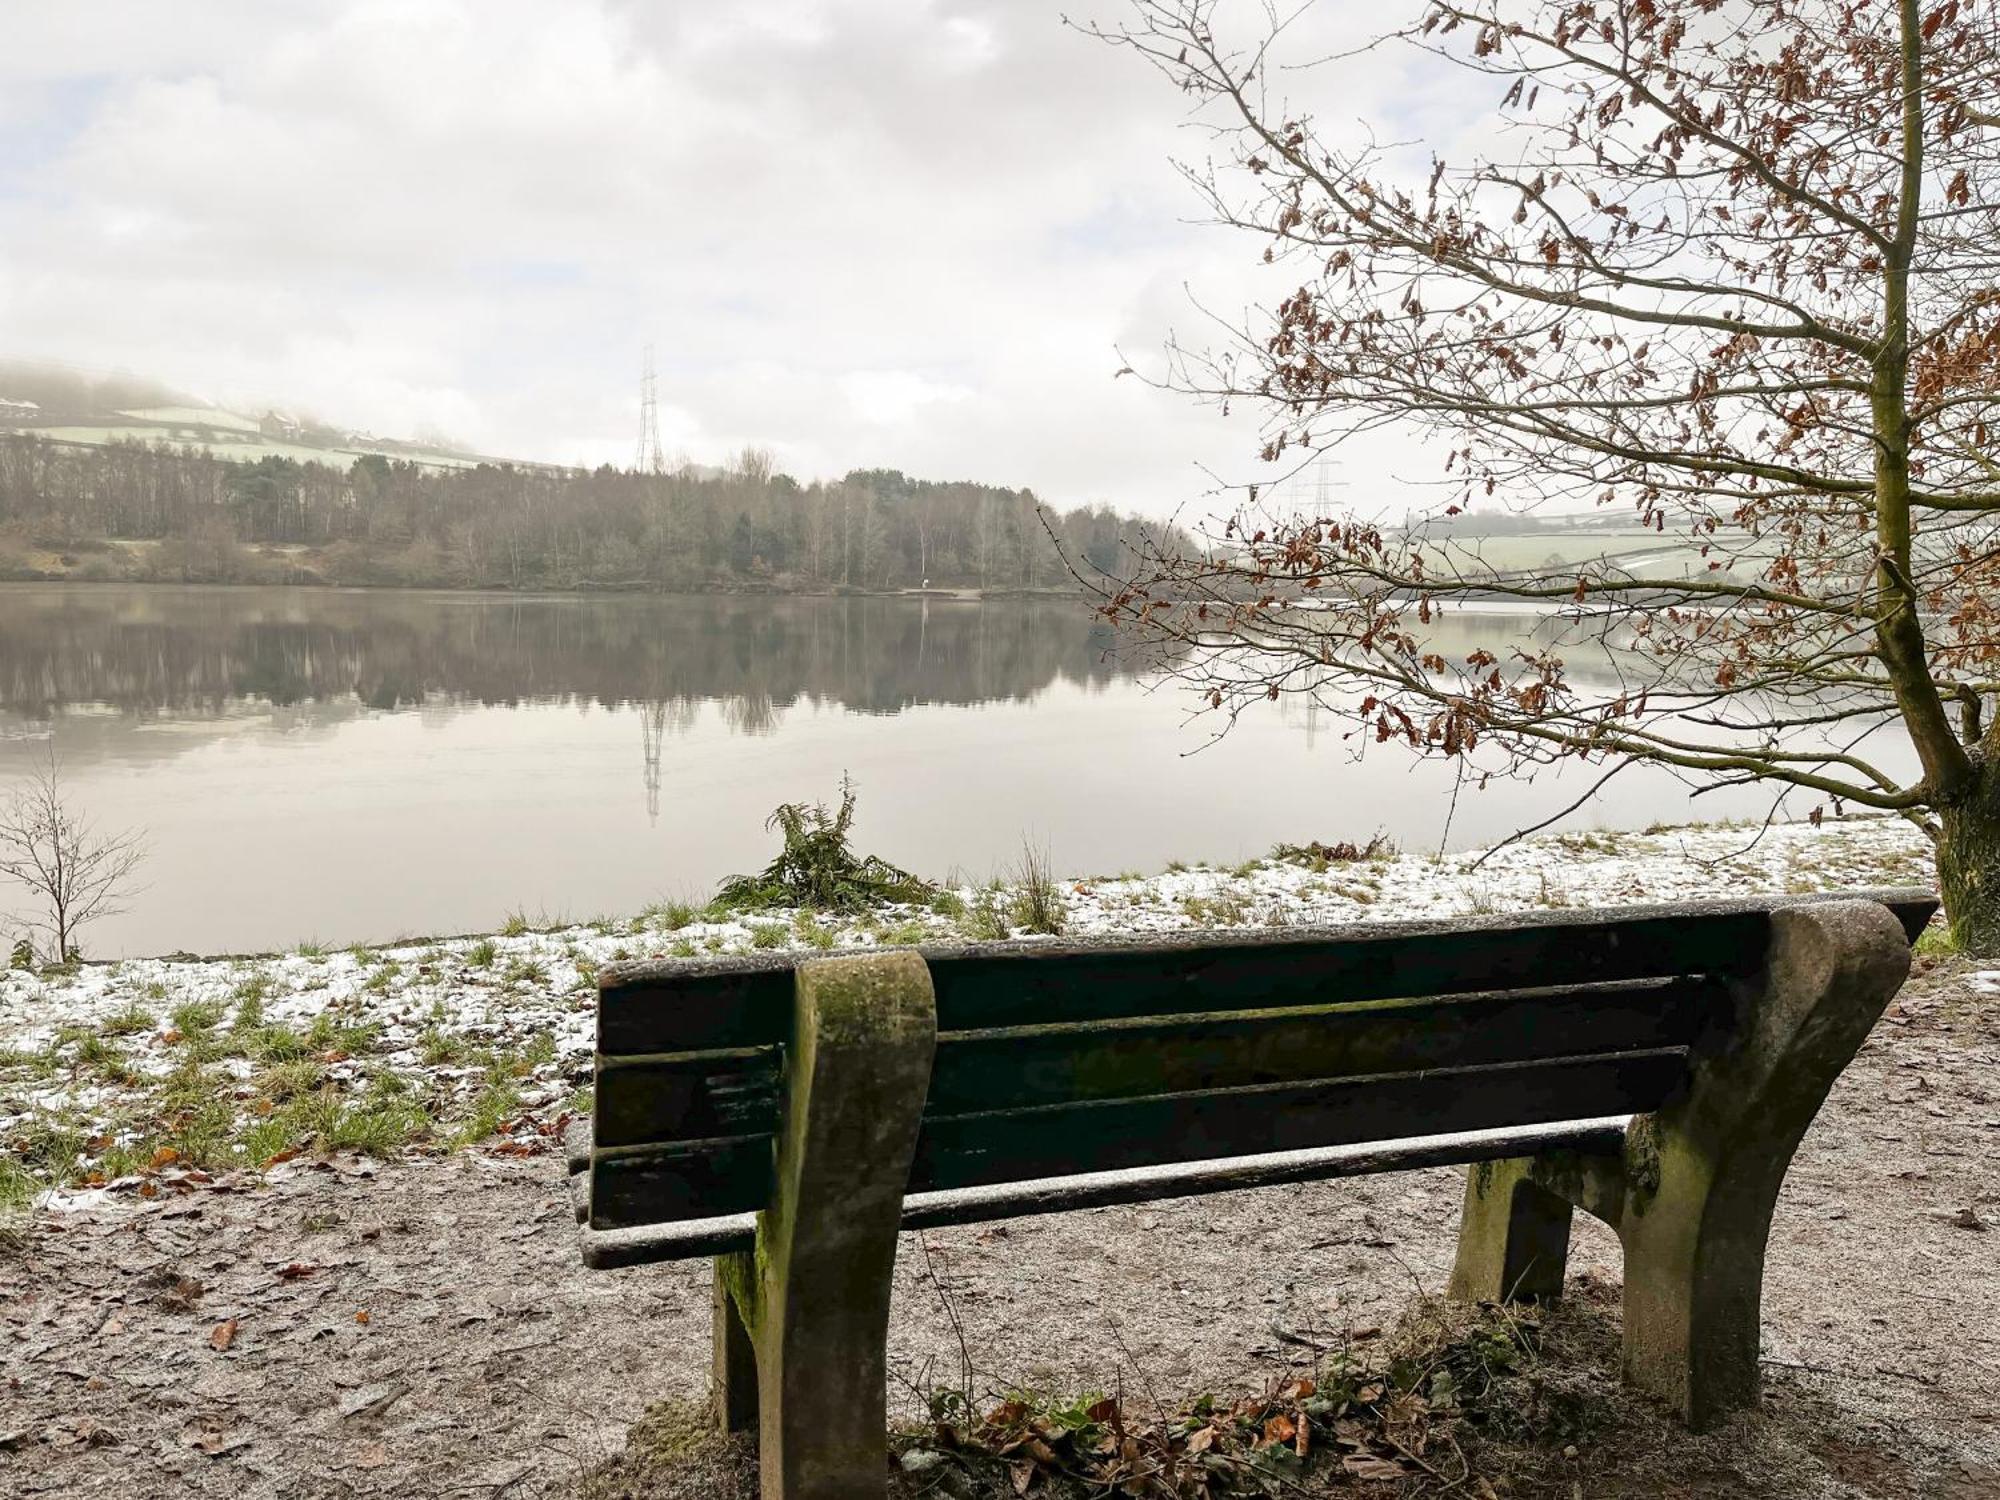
1059, 1058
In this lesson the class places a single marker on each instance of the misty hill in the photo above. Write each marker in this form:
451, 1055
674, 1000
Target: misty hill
85, 409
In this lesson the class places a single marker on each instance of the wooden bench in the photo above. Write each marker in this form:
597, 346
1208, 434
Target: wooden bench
1654, 1066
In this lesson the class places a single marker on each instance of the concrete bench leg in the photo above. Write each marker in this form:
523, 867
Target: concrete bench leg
1513, 1241
735, 1367
813, 1299
1702, 1176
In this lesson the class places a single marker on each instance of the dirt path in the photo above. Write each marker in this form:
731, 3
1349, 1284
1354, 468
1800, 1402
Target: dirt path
425, 1329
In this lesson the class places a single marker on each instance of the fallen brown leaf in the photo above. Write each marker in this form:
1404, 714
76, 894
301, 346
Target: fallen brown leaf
1372, 1466
222, 1335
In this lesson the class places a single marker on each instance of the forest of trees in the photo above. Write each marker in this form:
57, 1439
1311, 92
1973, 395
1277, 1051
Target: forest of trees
204, 518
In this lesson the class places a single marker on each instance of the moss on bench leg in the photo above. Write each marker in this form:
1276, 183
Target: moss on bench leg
814, 1300
1513, 1241
735, 1356
1703, 1174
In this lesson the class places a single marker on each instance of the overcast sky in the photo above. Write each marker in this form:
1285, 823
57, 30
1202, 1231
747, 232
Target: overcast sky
860, 232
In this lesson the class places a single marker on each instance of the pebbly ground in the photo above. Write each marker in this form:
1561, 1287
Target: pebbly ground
423, 1328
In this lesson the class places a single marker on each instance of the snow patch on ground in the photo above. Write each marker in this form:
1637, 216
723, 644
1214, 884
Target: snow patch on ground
89, 1055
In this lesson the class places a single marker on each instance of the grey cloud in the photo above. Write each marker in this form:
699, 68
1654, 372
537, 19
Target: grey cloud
472, 214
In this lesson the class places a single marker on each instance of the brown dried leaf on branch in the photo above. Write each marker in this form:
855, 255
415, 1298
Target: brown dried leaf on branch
1716, 295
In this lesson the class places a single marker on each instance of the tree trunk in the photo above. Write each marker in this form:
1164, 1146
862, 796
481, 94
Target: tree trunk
1968, 861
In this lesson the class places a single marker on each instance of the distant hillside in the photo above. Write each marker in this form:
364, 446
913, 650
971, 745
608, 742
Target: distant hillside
198, 513
94, 411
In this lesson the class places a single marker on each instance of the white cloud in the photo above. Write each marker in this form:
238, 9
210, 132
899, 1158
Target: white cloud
866, 232
888, 398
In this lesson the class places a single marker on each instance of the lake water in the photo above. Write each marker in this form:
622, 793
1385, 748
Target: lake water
353, 765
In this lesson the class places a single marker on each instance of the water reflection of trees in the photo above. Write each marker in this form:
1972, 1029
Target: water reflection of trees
192, 653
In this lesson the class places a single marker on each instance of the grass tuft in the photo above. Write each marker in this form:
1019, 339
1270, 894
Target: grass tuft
133, 1020
1037, 906
768, 934
672, 916
1937, 941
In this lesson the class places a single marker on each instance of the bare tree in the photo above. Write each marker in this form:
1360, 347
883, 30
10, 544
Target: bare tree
75, 874
1731, 269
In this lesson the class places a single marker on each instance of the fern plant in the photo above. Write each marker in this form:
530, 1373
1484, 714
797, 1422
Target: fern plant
817, 868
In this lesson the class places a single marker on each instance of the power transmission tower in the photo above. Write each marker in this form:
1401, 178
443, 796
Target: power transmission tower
649, 459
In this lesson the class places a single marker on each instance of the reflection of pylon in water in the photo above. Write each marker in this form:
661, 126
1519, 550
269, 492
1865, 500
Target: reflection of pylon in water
652, 730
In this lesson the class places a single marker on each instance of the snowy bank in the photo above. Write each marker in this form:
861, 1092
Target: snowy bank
150, 1074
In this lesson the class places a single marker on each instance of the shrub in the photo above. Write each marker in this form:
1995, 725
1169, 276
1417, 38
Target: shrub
1317, 856
817, 868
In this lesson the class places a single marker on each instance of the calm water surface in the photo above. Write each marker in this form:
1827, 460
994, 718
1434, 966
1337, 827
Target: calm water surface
349, 765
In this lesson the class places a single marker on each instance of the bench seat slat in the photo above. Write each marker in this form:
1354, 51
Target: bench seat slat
662, 1184
686, 1096
735, 1092
1022, 1068
1010, 988
687, 1180
1111, 1135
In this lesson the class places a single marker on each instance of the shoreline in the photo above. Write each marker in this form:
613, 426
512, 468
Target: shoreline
939, 594
136, 1074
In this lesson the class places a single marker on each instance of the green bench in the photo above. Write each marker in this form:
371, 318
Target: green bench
1654, 1066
